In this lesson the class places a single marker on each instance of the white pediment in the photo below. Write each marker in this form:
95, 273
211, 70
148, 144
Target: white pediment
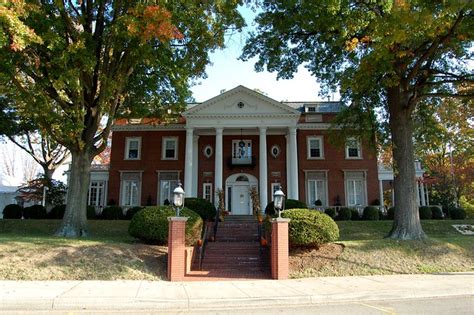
241, 102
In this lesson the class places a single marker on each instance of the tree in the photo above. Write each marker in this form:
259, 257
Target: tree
78, 64
384, 55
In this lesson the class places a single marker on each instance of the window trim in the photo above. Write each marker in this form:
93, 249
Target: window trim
122, 180
326, 202
127, 148
158, 183
278, 185
204, 185
359, 149
163, 148
321, 147
363, 178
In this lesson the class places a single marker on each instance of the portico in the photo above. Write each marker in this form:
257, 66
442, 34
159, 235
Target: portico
239, 116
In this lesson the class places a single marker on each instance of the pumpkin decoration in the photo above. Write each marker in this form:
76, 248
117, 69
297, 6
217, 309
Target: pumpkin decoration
199, 243
263, 242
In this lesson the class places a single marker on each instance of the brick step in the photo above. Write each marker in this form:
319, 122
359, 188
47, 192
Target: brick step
239, 269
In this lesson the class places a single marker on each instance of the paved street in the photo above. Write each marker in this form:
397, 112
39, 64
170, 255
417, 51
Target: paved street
376, 294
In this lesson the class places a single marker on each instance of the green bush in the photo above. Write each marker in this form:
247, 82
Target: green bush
112, 213
391, 213
331, 212
344, 214
289, 204
425, 213
91, 214
131, 212
202, 207
310, 228
57, 212
355, 216
371, 213
436, 212
34, 212
458, 214
12, 211
151, 225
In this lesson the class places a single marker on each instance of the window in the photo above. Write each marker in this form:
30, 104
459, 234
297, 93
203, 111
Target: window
353, 150
316, 185
241, 151
96, 193
355, 188
131, 182
315, 148
275, 187
132, 148
170, 148
167, 182
207, 192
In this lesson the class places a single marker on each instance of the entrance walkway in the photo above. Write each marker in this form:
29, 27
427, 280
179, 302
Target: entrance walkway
235, 253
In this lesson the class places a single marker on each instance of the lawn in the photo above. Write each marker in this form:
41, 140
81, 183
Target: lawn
366, 252
28, 251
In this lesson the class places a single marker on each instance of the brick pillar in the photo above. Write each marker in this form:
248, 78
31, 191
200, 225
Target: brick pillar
279, 249
176, 248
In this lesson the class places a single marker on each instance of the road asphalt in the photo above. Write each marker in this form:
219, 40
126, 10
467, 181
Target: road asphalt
164, 296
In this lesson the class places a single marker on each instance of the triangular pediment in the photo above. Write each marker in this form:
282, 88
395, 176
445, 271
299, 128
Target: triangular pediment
240, 101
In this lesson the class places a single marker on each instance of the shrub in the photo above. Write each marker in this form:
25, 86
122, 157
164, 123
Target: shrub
34, 212
310, 228
112, 213
425, 213
131, 212
391, 213
344, 214
355, 216
289, 204
371, 213
202, 207
91, 214
458, 214
57, 212
151, 225
437, 212
318, 203
331, 212
12, 211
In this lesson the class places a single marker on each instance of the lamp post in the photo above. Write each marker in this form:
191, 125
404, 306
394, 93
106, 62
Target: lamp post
279, 201
178, 199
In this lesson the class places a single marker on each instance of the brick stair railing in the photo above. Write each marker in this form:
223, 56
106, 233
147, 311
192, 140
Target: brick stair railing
235, 253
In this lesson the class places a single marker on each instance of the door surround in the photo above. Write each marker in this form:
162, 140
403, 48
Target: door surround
239, 180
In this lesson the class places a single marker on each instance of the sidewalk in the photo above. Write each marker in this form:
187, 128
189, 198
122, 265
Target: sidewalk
188, 296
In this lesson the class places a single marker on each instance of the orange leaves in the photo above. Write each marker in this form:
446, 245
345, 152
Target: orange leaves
153, 22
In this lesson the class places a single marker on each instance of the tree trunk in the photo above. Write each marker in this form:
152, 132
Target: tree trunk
406, 223
75, 218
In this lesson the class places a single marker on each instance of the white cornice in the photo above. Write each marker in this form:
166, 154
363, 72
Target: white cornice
176, 127
242, 116
315, 126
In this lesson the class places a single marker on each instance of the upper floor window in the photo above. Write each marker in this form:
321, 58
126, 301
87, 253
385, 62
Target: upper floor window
241, 151
170, 148
353, 149
315, 147
132, 148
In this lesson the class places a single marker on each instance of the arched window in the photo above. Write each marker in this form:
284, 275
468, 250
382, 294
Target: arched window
242, 178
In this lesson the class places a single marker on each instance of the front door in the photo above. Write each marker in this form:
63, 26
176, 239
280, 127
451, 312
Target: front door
240, 200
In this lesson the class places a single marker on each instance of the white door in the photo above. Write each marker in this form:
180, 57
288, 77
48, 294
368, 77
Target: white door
240, 200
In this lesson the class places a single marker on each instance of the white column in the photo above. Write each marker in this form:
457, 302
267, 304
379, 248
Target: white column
427, 195
195, 166
417, 193
263, 167
381, 192
188, 164
293, 164
423, 200
218, 163
289, 183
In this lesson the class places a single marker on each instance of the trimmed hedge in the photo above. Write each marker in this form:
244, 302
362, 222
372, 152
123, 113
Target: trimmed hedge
344, 214
355, 216
131, 212
112, 213
391, 213
289, 204
371, 214
90, 213
201, 206
151, 225
309, 228
457, 213
57, 212
425, 213
437, 212
34, 212
12, 211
